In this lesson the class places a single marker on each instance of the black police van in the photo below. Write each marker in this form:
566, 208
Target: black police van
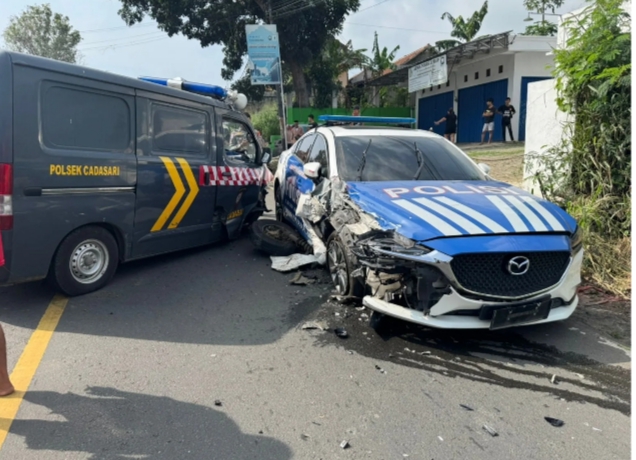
98, 169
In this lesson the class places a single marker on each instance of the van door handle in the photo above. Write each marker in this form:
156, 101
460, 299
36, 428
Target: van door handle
226, 174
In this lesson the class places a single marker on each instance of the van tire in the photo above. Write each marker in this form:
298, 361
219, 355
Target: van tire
85, 261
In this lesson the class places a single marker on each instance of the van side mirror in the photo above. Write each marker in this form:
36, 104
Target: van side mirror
484, 167
312, 170
267, 156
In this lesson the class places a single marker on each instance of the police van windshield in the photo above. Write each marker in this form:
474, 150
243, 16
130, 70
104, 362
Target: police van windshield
393, 158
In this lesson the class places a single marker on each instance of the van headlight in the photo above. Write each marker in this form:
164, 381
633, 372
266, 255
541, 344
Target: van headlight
576, 240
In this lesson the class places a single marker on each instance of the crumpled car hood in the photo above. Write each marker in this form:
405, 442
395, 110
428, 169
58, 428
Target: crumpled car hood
425, 210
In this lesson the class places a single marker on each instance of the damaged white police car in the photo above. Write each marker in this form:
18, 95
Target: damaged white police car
408, 222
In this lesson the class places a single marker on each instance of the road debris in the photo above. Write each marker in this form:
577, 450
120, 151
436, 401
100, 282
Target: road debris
596, 429
554, 379
301, 280
218, 403
344, 299
293, 262
344, 444
382, 371
309, 325
440, 438
341, 332
554, 421
304, 437
468, 408
490, 430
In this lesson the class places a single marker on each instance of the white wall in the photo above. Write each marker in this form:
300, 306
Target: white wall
544, 128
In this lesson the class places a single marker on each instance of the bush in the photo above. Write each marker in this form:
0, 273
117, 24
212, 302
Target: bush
267, 122
589, 173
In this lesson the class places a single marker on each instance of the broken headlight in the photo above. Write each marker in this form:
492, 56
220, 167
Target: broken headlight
576, 240
396, 243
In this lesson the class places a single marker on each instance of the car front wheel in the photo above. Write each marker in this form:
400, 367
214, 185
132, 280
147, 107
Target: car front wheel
340, 268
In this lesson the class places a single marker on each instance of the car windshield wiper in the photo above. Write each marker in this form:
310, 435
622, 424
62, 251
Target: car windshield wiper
363, 162
421, 162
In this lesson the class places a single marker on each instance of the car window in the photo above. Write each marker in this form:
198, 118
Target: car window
391, 158
238, 141
78, 119
302, 147
318, 152
179, 130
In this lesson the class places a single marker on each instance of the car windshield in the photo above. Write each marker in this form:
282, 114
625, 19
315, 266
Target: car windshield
395, 157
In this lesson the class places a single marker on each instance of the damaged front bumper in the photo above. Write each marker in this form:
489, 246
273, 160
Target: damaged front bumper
451, 307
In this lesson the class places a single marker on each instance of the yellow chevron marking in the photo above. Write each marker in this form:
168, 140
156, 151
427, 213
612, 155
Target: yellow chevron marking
194, 190
174, 201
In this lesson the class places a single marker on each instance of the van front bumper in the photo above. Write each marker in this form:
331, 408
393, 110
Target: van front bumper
455, 311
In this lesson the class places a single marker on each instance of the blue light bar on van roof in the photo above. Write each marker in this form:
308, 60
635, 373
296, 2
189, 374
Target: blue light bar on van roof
360, 119
200, 88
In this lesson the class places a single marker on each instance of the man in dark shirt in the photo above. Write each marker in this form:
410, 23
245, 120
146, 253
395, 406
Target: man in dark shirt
451, 125
507, 111
489, 121
311, 121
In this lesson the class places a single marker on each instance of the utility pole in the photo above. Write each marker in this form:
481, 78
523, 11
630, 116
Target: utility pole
281, 111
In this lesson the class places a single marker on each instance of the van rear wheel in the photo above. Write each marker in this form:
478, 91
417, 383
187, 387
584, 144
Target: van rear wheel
85, 261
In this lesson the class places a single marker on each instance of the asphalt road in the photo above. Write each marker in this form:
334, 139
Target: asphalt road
134, 371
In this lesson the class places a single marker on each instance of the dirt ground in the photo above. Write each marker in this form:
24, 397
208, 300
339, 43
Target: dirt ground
506, 164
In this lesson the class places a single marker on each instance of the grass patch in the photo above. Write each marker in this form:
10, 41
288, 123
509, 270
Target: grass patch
495, 153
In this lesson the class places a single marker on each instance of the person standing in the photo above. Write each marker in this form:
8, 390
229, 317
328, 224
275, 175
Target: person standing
289, 131
297, 131
311, 121
507, 111
489, 121
451, 125
6, 388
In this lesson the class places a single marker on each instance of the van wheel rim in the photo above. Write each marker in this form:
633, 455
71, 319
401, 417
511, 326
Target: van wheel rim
338, 268
89, 261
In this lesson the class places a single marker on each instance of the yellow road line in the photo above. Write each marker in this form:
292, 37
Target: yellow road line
179, 190
29, 362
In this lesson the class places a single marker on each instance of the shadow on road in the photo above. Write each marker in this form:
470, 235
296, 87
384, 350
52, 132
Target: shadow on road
224, 295
112, 424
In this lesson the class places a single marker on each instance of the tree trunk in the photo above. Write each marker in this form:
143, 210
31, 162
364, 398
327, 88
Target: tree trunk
300, 84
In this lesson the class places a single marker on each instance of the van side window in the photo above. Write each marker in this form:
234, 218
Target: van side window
238, 142
78, 119
179, 130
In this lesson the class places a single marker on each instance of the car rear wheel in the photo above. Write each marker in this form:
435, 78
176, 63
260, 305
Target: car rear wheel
274, 238
279, 204
85, 261
340, 268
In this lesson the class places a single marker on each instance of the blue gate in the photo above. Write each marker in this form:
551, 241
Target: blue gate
471, 105
430, 109
523, 104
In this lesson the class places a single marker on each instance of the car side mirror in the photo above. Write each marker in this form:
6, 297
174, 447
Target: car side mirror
312, 170
484, 167
267, 156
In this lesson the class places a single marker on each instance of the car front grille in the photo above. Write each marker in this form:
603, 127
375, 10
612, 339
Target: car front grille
488, 275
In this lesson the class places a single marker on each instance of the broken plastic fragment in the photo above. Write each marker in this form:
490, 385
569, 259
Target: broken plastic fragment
344, 444
218, 403
554, 421
491, 431
300, 280
293, 262
468, 408
554, 379
314, 325
341, 332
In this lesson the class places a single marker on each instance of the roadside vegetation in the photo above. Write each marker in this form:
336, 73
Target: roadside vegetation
589, 173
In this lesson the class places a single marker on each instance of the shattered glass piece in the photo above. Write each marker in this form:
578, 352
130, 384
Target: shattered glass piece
554, 421
491, 431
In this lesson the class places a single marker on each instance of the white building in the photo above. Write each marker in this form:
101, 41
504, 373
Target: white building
496, 66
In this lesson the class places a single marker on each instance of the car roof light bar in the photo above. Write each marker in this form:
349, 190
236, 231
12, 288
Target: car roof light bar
362, 119
216, 92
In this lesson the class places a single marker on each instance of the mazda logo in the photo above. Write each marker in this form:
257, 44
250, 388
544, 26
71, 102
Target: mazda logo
518, 265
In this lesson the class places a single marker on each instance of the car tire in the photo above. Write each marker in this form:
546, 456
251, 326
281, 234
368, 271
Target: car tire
85, 261
278, 206
378, 321
340, 267
273, 237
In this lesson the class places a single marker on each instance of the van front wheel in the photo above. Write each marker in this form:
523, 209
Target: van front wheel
85, 261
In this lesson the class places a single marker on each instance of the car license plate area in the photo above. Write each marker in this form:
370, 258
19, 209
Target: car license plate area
520, 314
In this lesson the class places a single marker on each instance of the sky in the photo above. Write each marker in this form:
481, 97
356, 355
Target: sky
143, 50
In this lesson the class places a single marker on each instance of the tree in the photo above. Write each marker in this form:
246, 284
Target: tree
302, 28
336, 58
254, 93
542, 27
463, 30
381, 59
40, 32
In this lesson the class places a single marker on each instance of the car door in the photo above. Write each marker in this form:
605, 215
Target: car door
240, 174
296, 182
173, 210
